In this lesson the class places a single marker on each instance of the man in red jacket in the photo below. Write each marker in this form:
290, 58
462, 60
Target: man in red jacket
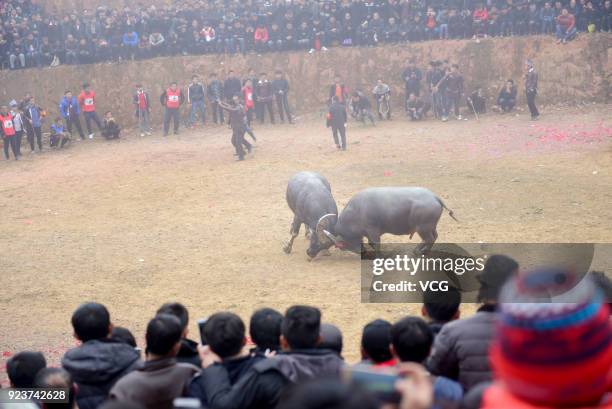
566, 27
8, 132
172, 99
87, 101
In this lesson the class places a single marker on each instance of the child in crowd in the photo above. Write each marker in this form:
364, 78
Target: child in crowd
59, 137
110, 129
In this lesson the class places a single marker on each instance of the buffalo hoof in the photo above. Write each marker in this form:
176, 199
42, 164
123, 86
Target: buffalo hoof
287, 249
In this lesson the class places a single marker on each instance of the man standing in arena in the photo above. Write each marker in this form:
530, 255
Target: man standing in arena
87, 102
238, 124
143, 109
336, 118
69, 109
280, 85
412, 79
8, 132
172, 99
195, 96
454, 91
215, 95
232, 86
531, 89
265, 95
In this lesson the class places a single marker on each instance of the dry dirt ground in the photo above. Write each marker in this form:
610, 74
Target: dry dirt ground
140, 221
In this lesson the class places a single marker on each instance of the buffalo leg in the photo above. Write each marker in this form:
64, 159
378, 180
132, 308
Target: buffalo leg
428, 237
374, 241
294, 231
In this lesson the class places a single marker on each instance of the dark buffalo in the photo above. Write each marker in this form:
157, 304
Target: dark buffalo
394, 210
310, 199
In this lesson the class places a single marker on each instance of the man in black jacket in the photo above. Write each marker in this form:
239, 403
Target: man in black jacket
231, 86
262, 385
280, 86
412, 79
264, 96
336, 118
195, 96
189, 349
215, 95
507, 97
461, 349
531, 89
100, 361
225, 334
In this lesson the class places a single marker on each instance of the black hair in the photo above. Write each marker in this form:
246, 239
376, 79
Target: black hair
163, 333
123, 335
497, 270
331, 338
91, 321
376, 341
224, 332
265, 328
411, 339
510, 81
301, 326
327, 394
442, 306
178, 310
23, 367
57, 378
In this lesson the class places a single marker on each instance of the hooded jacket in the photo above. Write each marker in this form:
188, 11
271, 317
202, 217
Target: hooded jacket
262, 385
96, 365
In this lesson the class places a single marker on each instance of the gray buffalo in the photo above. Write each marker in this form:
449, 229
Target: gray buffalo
310, 199
394, 210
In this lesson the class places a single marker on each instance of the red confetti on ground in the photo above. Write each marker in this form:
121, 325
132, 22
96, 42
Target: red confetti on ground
387, 173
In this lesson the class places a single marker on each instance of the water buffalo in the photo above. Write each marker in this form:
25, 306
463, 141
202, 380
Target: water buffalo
395, 210
310, 199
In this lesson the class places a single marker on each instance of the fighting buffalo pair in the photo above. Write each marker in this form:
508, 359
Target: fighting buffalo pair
370, 213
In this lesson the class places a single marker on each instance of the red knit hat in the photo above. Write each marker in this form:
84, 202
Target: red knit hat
553, 353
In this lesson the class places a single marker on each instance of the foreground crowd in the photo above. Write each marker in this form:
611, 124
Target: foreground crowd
31, 36
254, 96
517, 351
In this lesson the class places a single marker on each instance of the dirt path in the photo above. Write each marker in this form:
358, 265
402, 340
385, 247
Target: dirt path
141, 221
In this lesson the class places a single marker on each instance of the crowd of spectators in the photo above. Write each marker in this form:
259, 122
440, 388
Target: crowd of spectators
518, 350
31, 36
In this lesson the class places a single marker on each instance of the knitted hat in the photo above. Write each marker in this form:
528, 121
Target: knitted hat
556, 353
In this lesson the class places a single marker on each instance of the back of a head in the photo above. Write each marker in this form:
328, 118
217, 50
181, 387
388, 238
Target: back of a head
176, 309
411, 338
91, 321
603, 282
375, 341
327, 394
331, 338
123, 335
56, 378
23, 367
561, 347
301, 327
497, 270
442, 306
265, 328
163, 334
225, 334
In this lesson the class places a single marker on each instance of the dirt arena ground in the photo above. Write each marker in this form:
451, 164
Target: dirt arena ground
141, 221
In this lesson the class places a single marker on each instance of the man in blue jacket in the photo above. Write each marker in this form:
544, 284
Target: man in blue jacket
70, 111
